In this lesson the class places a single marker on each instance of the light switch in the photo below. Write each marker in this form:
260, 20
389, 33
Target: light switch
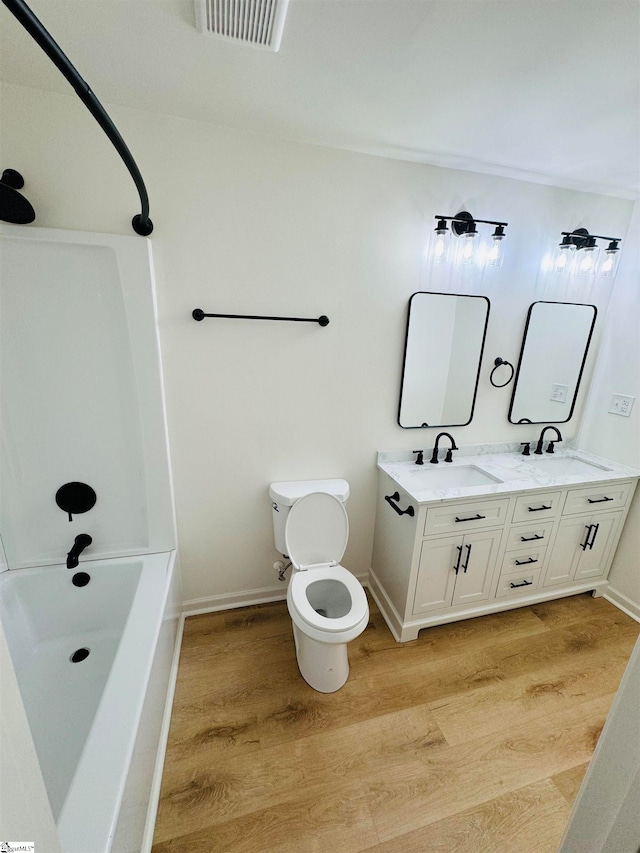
559, 393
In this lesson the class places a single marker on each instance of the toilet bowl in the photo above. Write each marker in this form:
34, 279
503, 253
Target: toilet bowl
327, 604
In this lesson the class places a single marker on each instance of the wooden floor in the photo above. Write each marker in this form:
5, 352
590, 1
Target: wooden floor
474, 737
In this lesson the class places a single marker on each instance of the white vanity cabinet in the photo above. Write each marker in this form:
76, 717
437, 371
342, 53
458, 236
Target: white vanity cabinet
463, 557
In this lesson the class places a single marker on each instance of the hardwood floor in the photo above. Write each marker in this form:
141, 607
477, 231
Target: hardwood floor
474, 737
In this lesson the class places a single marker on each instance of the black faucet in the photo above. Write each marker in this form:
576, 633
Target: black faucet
82, 541
538, 449
449, 456
419, 457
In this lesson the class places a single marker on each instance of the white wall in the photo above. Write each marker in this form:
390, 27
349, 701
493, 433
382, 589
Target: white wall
246, 224
618, 372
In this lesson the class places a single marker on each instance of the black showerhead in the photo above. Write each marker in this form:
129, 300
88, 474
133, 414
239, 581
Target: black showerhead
13, 206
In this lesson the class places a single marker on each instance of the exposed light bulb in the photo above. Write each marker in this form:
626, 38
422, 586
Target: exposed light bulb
495, 253
609, 260
587, 263
440, 242
469, 244
564, 254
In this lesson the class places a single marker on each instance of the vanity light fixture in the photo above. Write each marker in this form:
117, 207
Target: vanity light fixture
467, 252
579, 253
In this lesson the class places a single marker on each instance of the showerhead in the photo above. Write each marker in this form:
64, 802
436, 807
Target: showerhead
14, 207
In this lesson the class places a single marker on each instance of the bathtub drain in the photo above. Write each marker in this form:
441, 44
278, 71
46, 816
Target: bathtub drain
80, 655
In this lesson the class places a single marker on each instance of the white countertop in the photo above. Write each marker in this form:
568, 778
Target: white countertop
512, 471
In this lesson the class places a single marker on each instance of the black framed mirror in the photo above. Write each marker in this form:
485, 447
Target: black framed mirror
442, 355
554, 350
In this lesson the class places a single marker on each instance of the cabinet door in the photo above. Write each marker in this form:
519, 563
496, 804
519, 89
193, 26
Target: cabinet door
436, 573
593, 560
473, 582
572, 533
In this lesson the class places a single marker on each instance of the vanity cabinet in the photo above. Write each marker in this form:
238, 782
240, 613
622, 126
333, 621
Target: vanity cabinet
455, 570
459, 558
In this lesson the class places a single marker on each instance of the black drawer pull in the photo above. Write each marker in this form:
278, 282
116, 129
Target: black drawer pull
396, 497
584, 544
538, 508
525, 562
525, 582
531, 538
593, 538
457, 565
598, 500
471, 518
466, 564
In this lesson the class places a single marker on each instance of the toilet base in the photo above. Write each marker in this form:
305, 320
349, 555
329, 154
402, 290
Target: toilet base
324, 666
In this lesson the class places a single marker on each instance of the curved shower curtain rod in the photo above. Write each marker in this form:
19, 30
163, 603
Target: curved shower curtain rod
141, 223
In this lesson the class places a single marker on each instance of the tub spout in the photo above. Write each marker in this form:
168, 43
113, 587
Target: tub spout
82, 541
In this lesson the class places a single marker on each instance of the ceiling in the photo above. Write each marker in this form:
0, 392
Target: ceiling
545, 90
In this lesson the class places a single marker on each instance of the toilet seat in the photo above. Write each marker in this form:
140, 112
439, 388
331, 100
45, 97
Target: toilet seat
316, 535
297, 595
317, 531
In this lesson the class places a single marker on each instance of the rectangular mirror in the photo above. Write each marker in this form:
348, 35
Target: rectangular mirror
554, 350
442, 356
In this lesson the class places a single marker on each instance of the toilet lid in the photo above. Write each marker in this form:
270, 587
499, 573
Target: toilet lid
317, 530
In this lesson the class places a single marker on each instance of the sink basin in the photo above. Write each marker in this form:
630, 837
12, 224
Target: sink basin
565, 465
444, 476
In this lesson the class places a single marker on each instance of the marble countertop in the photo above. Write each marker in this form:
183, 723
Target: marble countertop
507, 469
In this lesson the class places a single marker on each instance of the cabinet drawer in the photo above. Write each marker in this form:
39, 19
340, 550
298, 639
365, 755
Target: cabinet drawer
521, 584
523, 561
604, 496
539, 506
458, 518
529, 535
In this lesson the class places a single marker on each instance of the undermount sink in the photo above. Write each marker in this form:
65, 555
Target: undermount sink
565, 465
445, 477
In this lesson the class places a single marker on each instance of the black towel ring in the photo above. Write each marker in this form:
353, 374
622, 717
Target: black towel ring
499, 362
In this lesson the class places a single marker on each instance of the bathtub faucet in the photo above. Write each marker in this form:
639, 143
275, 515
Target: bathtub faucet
82, 541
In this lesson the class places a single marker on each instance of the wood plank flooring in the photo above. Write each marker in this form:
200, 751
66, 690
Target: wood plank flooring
474, 737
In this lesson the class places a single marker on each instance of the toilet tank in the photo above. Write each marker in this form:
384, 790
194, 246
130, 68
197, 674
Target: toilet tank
284, 495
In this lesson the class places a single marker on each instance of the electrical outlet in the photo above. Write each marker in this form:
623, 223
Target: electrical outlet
621, 404
559, 393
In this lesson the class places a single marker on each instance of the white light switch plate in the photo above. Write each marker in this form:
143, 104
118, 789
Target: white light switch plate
621, 404
559, 393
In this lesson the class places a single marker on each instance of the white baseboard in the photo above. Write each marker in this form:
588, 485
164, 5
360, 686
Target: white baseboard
622, 602
231, 600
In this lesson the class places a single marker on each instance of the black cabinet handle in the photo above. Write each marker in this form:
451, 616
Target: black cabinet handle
593, 538
471, 518
466, 563
531, 538
538, 508
525, 562
584, 544
396, 497
598, 500
525, 582
457, 565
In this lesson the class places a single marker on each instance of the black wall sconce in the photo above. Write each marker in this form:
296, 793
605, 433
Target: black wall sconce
470, 250
579, 254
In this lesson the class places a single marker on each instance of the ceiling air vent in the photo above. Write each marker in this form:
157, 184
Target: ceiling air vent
257, 23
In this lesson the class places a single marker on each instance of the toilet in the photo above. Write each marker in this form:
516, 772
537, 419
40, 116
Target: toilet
327, 604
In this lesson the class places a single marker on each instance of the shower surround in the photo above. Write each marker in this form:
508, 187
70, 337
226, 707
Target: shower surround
82, 402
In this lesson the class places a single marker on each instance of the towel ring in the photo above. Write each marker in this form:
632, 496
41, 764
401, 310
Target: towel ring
499, 362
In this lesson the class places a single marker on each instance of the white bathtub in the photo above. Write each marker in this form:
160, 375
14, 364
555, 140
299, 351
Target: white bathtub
97, 724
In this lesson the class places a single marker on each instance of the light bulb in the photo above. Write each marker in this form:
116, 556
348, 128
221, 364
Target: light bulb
440, 242
495, 253
468, 245
563, 257
609, 260
589, 257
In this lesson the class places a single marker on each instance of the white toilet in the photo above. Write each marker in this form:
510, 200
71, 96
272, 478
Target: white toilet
327, 604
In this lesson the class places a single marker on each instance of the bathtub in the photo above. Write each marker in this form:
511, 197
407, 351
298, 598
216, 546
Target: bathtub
96, 666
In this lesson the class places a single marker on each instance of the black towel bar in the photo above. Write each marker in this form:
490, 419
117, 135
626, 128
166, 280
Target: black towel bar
199, 314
